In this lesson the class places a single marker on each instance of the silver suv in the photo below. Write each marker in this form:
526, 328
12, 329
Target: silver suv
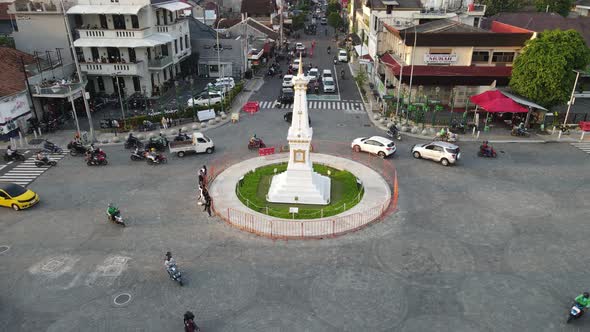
443, 152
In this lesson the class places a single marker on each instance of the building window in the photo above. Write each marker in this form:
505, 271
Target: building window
503, 57
103, 21
134, 22
375, 23
186, 41
476, 22
389, 9
119, 22
164, 71
181, 45
213, 69
136, 84
480, 56
175, 46
157, 17
100, 83
132, 56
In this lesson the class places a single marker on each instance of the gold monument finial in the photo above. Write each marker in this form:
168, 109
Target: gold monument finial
300, 72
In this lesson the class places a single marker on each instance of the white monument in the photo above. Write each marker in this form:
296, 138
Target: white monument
299, 183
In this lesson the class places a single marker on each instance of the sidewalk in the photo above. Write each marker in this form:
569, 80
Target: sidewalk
493, 136
63, 137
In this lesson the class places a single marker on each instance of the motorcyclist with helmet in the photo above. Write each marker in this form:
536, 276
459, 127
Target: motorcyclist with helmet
584, 301
169, 261
152, 155
113, 211
10, 151
42, 157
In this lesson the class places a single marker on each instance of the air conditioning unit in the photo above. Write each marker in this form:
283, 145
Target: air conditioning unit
398, 23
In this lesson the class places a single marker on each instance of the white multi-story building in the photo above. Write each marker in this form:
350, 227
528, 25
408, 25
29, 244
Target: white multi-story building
137, 43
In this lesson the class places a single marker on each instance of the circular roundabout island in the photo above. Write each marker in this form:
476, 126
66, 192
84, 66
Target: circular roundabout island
359, 195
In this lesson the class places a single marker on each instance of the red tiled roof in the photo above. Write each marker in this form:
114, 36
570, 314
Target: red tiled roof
12, 78
258, 7
503, 27
367, 57
447, 71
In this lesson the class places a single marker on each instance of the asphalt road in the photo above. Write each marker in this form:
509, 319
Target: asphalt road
487, 245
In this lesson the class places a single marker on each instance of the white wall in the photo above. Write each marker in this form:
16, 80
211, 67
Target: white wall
42, 33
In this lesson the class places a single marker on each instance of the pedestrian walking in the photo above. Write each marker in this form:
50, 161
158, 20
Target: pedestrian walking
203, 172
164, 123
169, 122
201, 179
189, 323
208, 204
115, 125
201, 198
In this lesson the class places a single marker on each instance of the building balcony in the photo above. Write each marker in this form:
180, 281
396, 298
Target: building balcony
476, 10
432, 14
181, 55
115, 34
35, 7
57, 90
160, 63
178, 28
108, 69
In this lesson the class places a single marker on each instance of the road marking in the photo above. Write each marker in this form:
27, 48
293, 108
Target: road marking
10, 162
1, 167
27, 151
584, 146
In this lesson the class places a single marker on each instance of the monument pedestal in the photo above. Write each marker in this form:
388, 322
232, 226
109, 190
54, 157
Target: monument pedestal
300, 187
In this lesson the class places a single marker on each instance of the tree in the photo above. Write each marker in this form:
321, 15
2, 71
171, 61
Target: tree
544, 70
333, 7
494, 7
334, 20
298, 22
562, 7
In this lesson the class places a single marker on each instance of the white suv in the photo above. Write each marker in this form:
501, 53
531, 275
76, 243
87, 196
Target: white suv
327, 73
329, 85
342, 56
288, 81
443, 152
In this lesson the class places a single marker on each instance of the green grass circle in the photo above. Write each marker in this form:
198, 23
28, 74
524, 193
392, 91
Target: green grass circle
346, 192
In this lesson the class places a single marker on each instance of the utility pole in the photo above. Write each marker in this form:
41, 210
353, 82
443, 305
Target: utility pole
22, 62
78, 71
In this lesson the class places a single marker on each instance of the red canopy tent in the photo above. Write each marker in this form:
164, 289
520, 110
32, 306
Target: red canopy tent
494, 101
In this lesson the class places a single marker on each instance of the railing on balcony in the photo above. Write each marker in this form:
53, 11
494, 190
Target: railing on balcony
57, 90
104, 33
180, 25
131, 69
160, 62
36, 7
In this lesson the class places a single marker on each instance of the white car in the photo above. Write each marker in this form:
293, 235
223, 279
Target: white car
313, 74
296, 64
288, 81
229, 81
300, 49
329, 85
205, 99
221, 87
327, 73
377, 145
342, 56
323, 21
443, 152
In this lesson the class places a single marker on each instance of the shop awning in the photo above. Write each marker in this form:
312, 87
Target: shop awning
173, 6
106, 9
494, 101
150, 41
523, 101
361, 51
390, 63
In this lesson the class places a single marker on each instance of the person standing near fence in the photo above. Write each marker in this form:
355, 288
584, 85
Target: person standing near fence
201, 197
203, 174
164, 123
207, 203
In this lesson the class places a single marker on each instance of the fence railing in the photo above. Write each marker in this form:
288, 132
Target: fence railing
271, 227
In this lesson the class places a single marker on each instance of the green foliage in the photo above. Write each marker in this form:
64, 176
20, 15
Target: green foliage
333, 7
562, 7
361, 78
7, 41
298, 22
334, 20
544, 71
344, 193
496, 6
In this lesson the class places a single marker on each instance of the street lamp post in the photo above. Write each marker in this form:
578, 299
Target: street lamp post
120, 98
570, 102
176, 84
219, 64
412, 71
144, 90
192, 80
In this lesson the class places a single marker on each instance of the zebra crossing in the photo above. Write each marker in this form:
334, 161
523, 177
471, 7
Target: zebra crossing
355, 106
584, 146
26, 172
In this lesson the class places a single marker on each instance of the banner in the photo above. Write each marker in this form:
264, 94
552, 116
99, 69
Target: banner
440, 58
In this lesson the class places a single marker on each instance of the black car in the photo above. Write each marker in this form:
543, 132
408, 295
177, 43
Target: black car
287, 95
289, 117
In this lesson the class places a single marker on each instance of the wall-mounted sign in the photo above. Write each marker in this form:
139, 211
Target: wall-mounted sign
440, 58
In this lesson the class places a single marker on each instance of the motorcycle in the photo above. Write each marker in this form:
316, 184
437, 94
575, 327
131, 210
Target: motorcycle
342, 74
117, 218
392, 132
157, 159
137, 156
76, 148
520, 132
133, 142
487, 153
96, 160
316, 88
576, 312
328, 50
256, 144
458, 127
447, 137
51, 147
174, 273
14, 157
45, 162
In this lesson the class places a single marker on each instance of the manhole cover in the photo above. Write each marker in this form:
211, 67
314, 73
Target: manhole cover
4, 249
341, 125
356, 116
122, 299
367, 125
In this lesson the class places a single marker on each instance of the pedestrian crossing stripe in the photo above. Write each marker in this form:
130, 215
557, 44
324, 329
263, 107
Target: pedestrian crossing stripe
347, 106
26, 172
584, 146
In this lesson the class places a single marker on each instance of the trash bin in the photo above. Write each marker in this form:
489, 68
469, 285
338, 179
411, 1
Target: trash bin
248, 74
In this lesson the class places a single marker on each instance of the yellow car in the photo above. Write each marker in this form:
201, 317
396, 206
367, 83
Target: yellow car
17, 197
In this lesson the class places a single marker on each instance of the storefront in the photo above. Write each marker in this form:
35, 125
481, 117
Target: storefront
15, 110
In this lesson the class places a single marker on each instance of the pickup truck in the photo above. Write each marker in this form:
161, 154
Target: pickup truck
199, 144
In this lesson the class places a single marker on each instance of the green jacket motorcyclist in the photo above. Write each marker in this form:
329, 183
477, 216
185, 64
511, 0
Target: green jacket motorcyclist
112, 211
583, 300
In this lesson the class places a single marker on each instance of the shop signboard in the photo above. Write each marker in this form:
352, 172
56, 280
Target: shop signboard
440, 58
